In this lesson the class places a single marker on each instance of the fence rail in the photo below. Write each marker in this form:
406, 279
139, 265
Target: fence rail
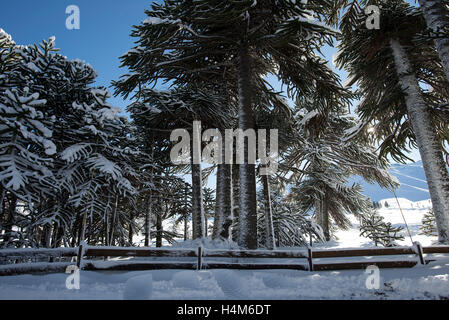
309, 259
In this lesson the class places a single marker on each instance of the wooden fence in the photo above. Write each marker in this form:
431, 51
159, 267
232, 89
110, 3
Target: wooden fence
309, 259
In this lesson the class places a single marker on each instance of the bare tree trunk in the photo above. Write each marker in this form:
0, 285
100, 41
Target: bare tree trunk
58, 235
325, 217
114, 221
149, 212
436, 13
159, 229
186, 228
269, 229
223, 200
197, 196
427, 139
235, 200
148, 216
47, 236
131, 228
248, 211
10, 218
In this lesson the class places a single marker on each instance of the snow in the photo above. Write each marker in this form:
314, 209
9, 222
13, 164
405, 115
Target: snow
156, 21
186, 279
308, 116
50, 147
421, 282
138, 288
430, 282
413, 214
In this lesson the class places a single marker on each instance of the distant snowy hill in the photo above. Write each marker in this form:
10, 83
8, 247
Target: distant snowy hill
405, 204
413, 184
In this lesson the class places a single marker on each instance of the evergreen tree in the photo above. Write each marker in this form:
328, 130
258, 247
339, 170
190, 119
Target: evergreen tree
436, 13
428, 224
291, 225
374, 227
161, 112
182, 40
209, 208
322, 161
403, 112
66, 153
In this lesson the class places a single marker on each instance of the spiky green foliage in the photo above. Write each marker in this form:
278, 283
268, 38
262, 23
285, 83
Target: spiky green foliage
367, 56
373, 226
322, 161
428, 224
65, 151
235, 44
292, 225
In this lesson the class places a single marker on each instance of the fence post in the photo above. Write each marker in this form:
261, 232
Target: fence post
419, 252
79, 256
200, 253
310, 258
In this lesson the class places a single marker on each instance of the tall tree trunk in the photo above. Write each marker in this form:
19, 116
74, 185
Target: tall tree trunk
148, 216
75, 232
58, 235
235, 174
197, 191
318, 212
325, 217
427, 139
247, 211
436, 13
11, 216
186, 228
269, 228
114, 221
206, 225
149, 212
223, 200
159, 229
131, 228
186, 217
47, 236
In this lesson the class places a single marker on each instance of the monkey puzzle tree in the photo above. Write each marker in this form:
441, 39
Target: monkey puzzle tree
185, 40
164, 111
392, 76
327, 161
436, 13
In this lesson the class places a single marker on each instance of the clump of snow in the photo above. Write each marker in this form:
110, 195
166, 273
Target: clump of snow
156, 21
139, 288
50, 147
186, 279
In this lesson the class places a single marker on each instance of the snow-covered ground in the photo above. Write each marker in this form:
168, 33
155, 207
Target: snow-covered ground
421, 282
413, 213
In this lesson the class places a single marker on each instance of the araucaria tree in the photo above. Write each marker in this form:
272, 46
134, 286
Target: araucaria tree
393, 78
436, 13
322, 160
65, 156
185, 40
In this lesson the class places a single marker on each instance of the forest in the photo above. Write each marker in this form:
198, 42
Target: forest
75, 169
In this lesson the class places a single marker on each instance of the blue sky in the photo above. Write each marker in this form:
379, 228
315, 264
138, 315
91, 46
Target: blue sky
104, 34
102, 38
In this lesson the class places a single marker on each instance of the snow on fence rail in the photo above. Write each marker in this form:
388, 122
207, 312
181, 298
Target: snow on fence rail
29, 260
201, 258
